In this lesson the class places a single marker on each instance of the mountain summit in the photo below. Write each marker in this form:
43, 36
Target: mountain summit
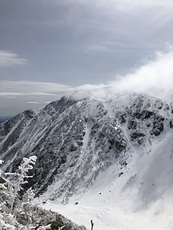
115, 149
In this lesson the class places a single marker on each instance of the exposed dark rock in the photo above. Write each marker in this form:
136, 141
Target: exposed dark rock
57, 224
73, 148
158, 125
132, 124
78, 135
2, 181
120, 174
137, 135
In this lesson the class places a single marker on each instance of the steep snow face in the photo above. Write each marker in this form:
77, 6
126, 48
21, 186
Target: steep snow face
78, 141
138, 196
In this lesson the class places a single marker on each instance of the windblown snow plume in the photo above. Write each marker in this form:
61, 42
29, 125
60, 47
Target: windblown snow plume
154, 78
157, 75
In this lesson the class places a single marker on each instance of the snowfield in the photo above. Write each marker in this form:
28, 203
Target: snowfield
141, 198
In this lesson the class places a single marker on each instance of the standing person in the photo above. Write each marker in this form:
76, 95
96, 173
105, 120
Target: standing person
92, 225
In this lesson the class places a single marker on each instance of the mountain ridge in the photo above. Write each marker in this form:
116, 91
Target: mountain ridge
108, 156
67, 131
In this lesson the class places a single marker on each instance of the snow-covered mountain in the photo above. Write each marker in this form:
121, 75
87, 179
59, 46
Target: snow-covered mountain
112, 153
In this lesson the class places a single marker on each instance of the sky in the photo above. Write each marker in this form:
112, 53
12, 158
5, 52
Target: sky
50, 48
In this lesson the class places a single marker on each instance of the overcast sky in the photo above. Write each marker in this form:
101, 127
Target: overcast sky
48, 47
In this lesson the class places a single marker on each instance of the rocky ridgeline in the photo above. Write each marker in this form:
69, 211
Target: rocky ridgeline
75, 139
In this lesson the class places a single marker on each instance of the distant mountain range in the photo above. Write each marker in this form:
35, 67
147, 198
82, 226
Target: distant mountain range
3, 119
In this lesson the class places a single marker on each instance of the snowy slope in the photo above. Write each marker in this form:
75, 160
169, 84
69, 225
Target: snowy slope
141, 198
105, 158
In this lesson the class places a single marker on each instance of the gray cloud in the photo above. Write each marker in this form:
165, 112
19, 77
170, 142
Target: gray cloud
16, 96
80, 41
32, 90
76, 42
8, 59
